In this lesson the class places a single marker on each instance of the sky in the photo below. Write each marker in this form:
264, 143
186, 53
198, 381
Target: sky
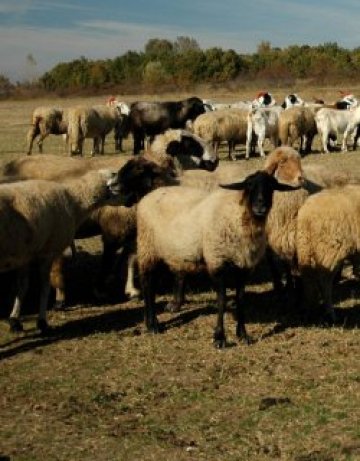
53, 31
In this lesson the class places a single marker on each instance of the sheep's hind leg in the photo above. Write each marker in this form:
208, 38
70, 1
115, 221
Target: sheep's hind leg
219, 332
241, 332
326, 282
22, 285
179, 294
44, 271
151, 321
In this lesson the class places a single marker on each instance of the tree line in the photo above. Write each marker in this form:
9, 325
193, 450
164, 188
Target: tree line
182, 64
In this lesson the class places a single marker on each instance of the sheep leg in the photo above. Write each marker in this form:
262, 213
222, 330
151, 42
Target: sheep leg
219, 332
138, 141
33, 132
22, 285
179, 294
240, 326
130, 290
107, 264
356, 137
326, 282
151, 321
41, 140
44, 272
58, 282
275, 272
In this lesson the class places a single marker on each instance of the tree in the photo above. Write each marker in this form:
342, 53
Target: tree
185, 44
157, 47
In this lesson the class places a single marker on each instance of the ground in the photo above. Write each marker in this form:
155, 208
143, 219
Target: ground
101, 388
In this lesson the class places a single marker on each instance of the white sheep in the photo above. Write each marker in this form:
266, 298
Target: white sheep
228, 125
45, 120
335, 122
263, 123
40, 219
91, 122
191, 230
298, 124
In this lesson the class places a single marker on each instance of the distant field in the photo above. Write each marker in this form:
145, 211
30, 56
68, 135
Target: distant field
101, 388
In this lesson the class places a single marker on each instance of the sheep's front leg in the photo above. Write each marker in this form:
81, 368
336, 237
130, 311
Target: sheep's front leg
130, 290
219, 332
22, 285
151, 320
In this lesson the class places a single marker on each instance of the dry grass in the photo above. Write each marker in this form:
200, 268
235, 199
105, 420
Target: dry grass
100, 388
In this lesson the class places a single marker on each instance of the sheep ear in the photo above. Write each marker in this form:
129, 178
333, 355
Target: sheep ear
173, 148
285, 187
234, 186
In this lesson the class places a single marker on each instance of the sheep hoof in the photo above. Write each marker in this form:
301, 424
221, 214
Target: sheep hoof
219, 340
43, 326
59, 306
15, 325
154, 328
172, 307
220, 343
132, 294
247, 340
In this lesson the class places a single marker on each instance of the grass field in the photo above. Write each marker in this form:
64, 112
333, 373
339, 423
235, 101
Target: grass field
101, 388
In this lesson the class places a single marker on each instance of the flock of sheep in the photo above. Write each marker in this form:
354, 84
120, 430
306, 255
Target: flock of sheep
176, 204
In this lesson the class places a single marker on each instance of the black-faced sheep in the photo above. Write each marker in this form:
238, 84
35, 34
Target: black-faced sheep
152, 118
44, 121
191, 230
40, 219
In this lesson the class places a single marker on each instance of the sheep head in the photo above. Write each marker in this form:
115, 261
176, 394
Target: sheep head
138, 177
258, 192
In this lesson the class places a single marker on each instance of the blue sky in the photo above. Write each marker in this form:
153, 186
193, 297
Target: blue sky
63, 30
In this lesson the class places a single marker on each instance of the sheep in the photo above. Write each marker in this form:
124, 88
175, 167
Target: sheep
45, 120
40, 219
228, 125
264, 124
123, 129
327, 233
172, 151
333, 122
116, 222
152, 118
190, 230
284, 163
281, 225
297, 123
91, 122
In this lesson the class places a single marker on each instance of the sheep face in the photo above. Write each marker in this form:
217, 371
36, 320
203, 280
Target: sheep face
284, 163
193, 147
292, 100
258, 192
138, 177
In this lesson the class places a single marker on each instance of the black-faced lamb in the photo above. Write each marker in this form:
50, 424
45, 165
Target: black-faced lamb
191, 230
